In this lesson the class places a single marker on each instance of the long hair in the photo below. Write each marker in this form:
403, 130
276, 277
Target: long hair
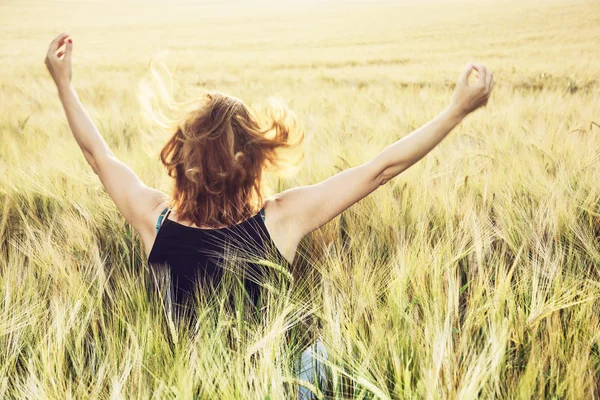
218, 152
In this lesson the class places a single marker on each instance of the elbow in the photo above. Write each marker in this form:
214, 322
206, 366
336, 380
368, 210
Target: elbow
389, 173
377, 172
383, 178
92, 161
95, 168
385, 170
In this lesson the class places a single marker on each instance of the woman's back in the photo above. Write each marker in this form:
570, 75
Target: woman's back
197, 257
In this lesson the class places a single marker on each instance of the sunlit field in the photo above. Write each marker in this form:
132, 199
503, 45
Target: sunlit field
473, 274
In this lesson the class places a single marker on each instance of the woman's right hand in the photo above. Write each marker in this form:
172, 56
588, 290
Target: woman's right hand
467, 98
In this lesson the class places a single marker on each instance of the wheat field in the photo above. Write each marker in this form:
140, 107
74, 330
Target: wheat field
473, 274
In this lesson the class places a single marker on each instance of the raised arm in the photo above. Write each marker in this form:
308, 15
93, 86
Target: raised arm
133, 198
304, 209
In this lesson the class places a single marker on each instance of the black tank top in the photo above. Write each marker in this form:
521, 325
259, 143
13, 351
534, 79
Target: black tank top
195, 256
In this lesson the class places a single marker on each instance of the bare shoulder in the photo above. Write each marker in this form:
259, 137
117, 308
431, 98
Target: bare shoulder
276, 215
272, 206
279, 210
303, 209
281, 227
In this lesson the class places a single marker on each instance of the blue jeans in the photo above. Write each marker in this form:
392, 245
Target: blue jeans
313, 370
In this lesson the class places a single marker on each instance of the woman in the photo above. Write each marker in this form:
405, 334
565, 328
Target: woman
216, 158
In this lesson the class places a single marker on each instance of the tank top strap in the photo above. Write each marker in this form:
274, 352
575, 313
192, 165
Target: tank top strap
161, 217
262, 214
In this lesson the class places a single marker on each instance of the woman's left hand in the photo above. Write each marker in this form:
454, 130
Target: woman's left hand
58, 60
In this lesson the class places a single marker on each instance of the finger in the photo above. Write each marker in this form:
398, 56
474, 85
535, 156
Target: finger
482, 75
464, 76
60, 37
488, 77
481, 70
60, 54
68, 50
54, 43
63, 40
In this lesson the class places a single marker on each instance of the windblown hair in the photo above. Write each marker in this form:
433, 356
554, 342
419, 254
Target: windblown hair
217, 155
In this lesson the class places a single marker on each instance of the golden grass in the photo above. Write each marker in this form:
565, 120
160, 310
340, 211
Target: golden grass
473, 274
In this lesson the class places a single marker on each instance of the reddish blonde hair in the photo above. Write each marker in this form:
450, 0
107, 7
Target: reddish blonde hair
217, 156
